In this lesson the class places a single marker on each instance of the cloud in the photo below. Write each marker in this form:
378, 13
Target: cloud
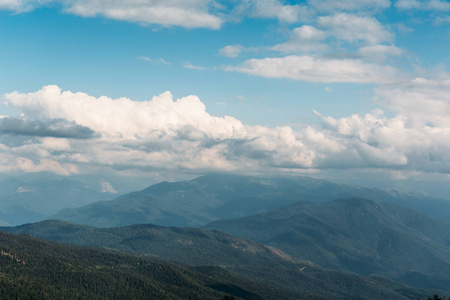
188, 13
22, 5
303, 39
231, 50
351, 28
425, 101
416, 138
121, 117
274, 9
379, 53
164, 134
45, 128
316, 69
349, 5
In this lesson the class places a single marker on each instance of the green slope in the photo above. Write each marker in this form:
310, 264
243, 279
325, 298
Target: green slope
247, 258
356, 235
36, 269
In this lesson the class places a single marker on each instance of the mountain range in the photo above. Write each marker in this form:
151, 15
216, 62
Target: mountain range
216, 197
289, 233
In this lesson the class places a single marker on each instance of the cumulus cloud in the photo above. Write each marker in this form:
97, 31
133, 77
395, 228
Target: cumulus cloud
121, 117
403, 142
167, 134
316, 69
352, 28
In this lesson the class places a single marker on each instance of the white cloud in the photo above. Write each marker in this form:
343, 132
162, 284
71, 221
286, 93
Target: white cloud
417, 138
274, 9
22, 5
131, 118
10, 4
187, 13
303, 39
309, 68
379, 53
426, 102
231, 50
166, 134
349, 5
353, 28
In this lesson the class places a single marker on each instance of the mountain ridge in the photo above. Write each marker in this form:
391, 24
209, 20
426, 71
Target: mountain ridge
209, 198
355, 235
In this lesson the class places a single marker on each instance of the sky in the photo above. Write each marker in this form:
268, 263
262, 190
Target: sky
356, 91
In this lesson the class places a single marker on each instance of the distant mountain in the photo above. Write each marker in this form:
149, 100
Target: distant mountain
214, 197
30, 201
356, 235
247, 258
38, 269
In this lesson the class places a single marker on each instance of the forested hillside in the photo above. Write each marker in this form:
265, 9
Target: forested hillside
35, 269
247, 258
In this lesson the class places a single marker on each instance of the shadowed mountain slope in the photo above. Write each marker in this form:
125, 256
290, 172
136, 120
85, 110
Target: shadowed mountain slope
356, 235
214, 197
38, 269
247, 258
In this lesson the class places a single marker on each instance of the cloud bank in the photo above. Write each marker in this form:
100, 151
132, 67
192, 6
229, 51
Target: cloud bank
166, 134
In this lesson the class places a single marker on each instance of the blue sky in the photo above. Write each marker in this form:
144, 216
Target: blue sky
345, 89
